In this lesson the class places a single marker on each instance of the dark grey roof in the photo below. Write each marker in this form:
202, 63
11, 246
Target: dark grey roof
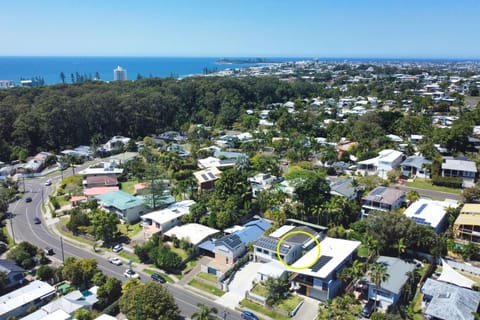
343, 187
397, 270
450, 301
270, 243
321, 262
301, 238
231, 241
7, 266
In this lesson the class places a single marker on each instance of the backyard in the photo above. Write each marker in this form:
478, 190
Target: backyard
427, 184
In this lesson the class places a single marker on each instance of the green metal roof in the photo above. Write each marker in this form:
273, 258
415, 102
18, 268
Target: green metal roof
120, 200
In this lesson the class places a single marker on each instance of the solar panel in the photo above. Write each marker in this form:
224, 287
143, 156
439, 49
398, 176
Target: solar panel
419, 210
322, 261
271, 244
232, 241
378, 191
211, 175
204, 177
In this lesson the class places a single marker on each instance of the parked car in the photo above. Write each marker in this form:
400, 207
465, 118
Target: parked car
49, 251
129, 273
247, 315
37, 220
28, 199
116, 261
157, 277
117, 248
368, 308
48, 183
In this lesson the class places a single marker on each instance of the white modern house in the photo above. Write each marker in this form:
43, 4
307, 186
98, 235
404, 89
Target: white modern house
163, 220
387, 160
260, 182
429, 212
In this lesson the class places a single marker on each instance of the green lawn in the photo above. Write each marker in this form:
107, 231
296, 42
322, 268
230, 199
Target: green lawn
207, 276
9, 237
62, 201
167, 277
422, 271
290, 303
417, 306
133, 229
206, 287
260, 290
258, 308
427, 184
128, 186
362, 251
182, 253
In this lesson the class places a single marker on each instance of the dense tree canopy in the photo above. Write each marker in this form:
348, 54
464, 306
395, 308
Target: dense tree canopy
150, 301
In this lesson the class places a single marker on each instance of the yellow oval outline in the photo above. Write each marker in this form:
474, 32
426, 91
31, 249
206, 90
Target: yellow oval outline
292, 233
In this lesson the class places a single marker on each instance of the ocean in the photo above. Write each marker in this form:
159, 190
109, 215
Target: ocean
49, 68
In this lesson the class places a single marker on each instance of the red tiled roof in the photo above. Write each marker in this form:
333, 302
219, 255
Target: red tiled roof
77, 198
103, 180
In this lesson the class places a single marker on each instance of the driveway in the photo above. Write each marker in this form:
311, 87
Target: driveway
308, 310
241, 283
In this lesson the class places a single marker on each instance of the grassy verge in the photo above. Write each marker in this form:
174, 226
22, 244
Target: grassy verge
62, 201
289, 303
129, 256
9, 237
59, 224
258, 308
427, 184
208, 277
167, 277
206, 287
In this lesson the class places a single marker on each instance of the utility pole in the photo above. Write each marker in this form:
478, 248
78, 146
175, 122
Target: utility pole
61, 246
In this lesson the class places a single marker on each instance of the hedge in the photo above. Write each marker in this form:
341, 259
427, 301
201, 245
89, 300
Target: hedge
450, 182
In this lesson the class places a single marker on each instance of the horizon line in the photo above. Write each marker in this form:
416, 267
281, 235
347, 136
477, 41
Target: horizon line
254, 57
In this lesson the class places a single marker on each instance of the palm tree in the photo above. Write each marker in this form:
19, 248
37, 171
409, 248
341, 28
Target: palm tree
372, 247
401, 246
378, 274
205, 313
412, 196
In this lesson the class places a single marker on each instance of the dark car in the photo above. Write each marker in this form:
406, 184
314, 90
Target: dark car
157, 277
28, 199
37, 220
49, 251
368, 308
247, 315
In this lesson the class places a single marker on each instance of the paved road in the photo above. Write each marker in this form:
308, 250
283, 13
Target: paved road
41, 236
431, 193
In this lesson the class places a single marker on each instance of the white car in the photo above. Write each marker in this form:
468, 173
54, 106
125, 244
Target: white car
129, 273
48, 183
116, 261
117, 248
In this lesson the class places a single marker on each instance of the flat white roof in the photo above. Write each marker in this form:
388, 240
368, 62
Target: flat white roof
194, 232
337, 249
170, 213
272, 269
15, 299
281, 231
428, 212
44, 315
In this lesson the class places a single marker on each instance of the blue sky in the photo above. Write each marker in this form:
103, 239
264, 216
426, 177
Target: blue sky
237, 28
